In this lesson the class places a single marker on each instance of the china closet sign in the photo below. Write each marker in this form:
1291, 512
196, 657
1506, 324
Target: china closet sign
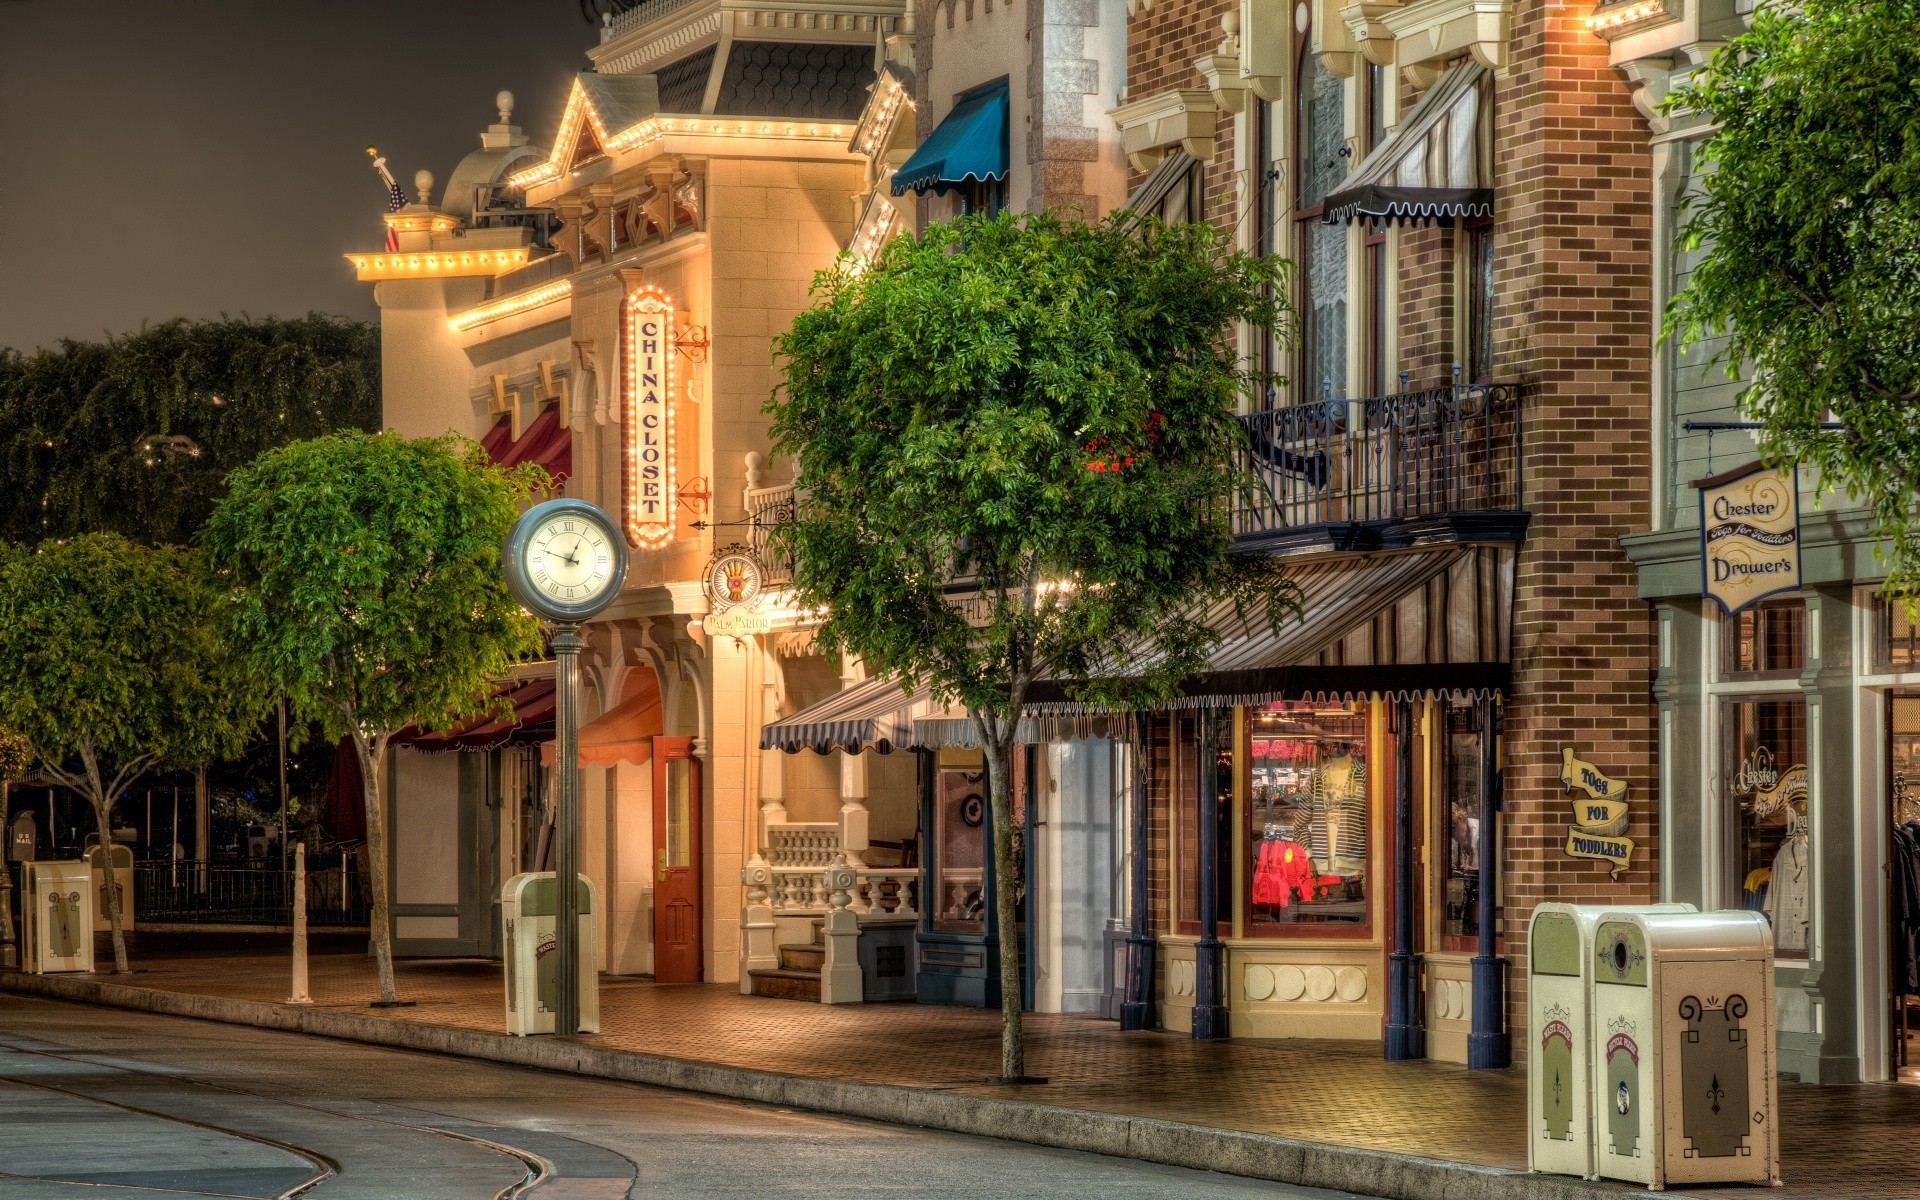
1600, 814
1749, 535
646, 338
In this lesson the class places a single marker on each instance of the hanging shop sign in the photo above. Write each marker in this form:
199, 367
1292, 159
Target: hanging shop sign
646, 351
1600, 814
734, 581
1749, 535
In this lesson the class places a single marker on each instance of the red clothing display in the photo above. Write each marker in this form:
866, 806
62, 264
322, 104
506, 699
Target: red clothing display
1281, 867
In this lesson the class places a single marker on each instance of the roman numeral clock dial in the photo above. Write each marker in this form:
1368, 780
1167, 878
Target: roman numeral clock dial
565, 559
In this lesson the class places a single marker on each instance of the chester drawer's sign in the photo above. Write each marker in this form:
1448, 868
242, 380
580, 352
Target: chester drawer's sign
1749, 535
1600, 813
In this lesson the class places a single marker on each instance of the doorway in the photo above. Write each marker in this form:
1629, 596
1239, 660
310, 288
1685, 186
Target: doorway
1903, 852
677, 909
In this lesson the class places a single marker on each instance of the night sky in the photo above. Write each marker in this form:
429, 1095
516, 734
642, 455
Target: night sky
188, 158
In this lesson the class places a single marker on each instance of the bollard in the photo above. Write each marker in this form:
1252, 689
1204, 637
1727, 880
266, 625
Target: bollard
300, 995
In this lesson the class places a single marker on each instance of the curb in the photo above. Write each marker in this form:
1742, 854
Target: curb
1260, 1156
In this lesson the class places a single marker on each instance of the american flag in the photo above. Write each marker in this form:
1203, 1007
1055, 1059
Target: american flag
396, 199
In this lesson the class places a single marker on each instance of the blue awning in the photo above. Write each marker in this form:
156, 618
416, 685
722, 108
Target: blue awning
970, 146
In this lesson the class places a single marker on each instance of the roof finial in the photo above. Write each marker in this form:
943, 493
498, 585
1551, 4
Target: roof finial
423, 183
503, 100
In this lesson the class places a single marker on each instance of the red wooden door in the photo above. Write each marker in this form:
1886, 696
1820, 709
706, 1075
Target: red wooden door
677, 909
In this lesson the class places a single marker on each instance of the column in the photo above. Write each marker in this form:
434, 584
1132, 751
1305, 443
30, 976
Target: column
854, 818
1209, 1014
773, 763
1487, 1044
1834, 810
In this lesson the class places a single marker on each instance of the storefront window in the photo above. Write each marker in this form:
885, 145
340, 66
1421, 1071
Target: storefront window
1463, 833
1308, 817
1220, 792
1764, 639
1764, 774
960, 815
1904, 776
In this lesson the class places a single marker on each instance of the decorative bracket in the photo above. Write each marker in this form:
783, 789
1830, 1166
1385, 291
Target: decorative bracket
1183, 117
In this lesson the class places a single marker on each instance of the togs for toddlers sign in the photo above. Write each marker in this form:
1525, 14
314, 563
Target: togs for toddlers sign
1749, 535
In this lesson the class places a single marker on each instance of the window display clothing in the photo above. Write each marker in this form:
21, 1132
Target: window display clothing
1279, 871
1786, 902
1337, 833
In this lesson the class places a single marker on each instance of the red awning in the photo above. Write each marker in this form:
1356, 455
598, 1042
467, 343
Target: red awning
344, 812
624, 733
546, 443
532, 704
499, 439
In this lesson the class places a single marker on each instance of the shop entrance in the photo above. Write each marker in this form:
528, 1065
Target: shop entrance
1903, 917
677, 910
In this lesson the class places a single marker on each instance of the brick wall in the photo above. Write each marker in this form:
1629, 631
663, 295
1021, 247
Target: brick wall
1162, 43
1572, 297
1426, 278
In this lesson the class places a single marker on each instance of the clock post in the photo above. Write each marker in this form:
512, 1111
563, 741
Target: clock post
567, 644
565, 561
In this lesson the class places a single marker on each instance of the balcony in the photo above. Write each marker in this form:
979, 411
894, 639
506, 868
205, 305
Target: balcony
1432, 467
767, 510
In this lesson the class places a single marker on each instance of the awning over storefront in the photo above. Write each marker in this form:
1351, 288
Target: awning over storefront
530, 719
622, 734
1255, 665
546, 443
969, 146
1164, 192
875, 715
1432, 167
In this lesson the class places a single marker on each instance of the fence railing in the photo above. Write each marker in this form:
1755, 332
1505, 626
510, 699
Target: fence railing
1381, 459
767, 509
195, 892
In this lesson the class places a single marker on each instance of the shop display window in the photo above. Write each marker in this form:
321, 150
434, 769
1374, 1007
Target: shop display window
960, 820
1904, 770
1309, 818
1764, 777
1219, 790
1462, 833
1764, 639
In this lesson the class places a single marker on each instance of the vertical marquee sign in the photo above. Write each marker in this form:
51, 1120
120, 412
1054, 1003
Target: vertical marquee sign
646, 351
1749, 535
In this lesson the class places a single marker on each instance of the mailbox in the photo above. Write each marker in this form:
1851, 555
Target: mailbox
527, 911
58, 921
122, 879
1560, 1125
1683, 1048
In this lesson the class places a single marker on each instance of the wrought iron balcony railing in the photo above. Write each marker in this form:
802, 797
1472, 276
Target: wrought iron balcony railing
1440, 465
767, 509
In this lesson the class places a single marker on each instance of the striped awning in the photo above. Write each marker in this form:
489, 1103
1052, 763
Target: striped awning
875, 715
1432, 167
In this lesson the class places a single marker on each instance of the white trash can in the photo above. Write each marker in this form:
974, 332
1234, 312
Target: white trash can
1560, 1124
1683, 1049
527, 914
58, 921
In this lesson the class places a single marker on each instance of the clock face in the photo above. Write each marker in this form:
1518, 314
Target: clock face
570, 559
564, 560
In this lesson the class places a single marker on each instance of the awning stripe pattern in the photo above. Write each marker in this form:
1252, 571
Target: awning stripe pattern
1160, 182
968, 146
1431, 167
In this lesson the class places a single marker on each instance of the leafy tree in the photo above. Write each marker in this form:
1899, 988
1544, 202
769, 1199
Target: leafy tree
1018, 443
87, 429
1807, 224
111, 664
366, 583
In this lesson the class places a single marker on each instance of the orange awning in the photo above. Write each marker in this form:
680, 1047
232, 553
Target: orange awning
622, 734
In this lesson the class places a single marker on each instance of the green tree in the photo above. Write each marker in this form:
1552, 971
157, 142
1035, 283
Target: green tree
367, 589
90, 432
1018, 446
1807, 226
112, 663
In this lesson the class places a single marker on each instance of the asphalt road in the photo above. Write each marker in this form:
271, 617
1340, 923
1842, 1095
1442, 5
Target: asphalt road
100, 1103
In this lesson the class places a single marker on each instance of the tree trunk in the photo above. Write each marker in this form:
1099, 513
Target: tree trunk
373, 753
999, 751
103, 818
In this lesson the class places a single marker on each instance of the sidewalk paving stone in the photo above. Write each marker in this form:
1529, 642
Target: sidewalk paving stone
1840, 1141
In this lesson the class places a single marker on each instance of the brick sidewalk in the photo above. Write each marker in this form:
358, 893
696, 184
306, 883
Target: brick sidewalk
1838, 1141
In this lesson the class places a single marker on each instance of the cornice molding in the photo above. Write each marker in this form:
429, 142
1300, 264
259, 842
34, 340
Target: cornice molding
1183, 117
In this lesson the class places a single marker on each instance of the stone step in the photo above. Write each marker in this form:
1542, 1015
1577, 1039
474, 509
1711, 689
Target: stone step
786, 985
803, 958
